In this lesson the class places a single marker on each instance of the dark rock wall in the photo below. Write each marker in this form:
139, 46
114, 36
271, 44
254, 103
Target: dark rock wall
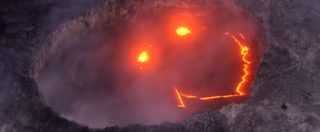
285, 94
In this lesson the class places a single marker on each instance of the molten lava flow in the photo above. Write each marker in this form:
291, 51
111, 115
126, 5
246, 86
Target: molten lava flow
246, 61
183, 31
189, 96
244, 51
181, 104
143, 57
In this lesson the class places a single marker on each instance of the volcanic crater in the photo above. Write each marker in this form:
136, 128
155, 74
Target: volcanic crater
164, 65
134, 67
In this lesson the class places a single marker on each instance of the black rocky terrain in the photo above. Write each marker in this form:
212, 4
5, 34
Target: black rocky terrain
285, 93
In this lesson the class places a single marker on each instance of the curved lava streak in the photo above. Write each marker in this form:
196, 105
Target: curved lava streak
240, 86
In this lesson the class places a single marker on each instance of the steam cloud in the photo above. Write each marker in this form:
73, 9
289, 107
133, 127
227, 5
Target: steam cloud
92, 80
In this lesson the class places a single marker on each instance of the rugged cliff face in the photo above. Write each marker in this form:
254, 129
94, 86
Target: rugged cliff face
284, 97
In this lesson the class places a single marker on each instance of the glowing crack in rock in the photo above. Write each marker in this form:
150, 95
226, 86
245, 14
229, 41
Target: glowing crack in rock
244, 51
179, 98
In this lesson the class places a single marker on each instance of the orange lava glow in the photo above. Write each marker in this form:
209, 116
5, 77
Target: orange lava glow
239, 90
143, 57
183, 31
179, 98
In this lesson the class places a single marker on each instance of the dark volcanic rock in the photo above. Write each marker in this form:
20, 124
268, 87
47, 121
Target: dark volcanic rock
285, 94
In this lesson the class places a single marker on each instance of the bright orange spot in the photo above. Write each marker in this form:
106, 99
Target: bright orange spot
183, 31
244, 51
143, 57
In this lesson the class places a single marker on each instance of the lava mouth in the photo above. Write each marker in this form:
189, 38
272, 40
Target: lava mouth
239, 90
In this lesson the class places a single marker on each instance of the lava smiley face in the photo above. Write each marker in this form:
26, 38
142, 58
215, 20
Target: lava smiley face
161, 65
190, 53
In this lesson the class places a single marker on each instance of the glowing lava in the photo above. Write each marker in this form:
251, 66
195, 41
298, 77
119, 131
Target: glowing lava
183, 31
143, 57
179, 98
244, 51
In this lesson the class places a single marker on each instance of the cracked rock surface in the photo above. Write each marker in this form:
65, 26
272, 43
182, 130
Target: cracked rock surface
285, 93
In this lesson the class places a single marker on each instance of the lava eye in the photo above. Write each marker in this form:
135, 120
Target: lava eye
183, 31
143, 57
